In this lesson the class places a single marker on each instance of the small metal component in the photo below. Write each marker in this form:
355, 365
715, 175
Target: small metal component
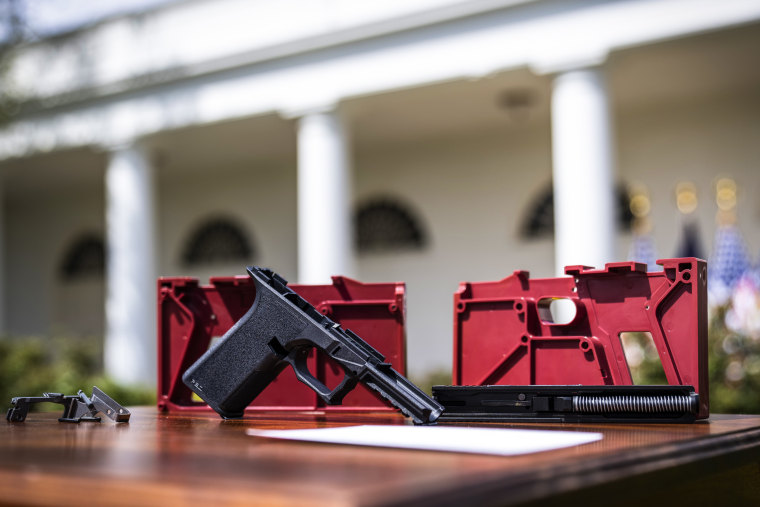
76, 408
106, 405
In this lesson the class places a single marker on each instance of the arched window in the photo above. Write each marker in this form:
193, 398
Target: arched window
218, 240
384, 224
85, 258
539, 220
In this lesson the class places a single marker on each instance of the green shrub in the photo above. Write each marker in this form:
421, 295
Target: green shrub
734, 369
733, 366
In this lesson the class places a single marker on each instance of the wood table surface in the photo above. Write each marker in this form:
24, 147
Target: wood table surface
198, 458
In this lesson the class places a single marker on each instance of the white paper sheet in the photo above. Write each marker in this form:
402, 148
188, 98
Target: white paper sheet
503, 442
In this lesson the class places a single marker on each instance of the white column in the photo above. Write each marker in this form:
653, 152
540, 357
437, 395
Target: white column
582, 152
130, 346
324, 194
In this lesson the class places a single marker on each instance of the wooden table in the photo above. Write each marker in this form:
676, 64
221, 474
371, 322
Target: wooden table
160, 459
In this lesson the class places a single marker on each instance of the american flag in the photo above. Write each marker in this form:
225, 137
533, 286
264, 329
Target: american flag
691, 245
643, 250
728, 263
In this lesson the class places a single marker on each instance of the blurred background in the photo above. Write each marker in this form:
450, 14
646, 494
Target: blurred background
425, 141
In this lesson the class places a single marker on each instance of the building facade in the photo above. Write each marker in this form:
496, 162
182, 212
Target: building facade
433, 142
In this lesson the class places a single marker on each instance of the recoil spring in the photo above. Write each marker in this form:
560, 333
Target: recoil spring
633, 404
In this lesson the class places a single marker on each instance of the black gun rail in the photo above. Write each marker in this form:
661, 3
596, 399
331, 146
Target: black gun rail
569, 404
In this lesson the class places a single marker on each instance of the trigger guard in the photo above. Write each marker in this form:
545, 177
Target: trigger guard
297, 359
345, 387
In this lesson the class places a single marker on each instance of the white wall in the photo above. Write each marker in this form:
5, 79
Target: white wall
262, 199
40, 229
471, 195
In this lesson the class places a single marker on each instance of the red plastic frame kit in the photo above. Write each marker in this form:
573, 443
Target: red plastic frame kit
191, 315
504, 332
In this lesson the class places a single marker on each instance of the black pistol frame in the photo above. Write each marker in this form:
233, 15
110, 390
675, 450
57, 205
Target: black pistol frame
280, 329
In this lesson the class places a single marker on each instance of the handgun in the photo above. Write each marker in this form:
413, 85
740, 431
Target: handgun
280, 329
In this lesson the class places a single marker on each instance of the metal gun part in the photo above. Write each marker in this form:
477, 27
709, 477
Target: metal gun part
76, 408
572, 404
